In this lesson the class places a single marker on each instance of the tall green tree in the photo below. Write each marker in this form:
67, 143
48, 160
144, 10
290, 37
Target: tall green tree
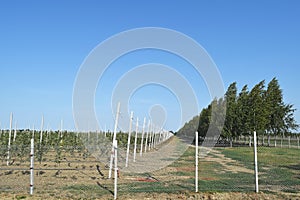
289, 120
204, 121
275, 108
280, 115
187, 132
212, 119
230, 125
258, 109
243, 111
217, 120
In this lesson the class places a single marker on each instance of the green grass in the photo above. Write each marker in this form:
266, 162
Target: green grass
88, 191
278, 167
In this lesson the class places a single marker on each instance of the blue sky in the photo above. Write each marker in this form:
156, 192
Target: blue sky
43, 44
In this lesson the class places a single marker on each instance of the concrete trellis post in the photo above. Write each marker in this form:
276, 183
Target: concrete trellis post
128, 140
150, 136
115, 146
135, 139
114, 138
31, 165
32, 136
15, 132
196, 162
142, 141
255, 162
147, 135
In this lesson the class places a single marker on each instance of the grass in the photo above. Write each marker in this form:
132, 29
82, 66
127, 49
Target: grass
278, 167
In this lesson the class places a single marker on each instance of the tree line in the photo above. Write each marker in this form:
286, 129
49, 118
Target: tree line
262, 109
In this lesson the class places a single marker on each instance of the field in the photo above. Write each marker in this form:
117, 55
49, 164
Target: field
225, 173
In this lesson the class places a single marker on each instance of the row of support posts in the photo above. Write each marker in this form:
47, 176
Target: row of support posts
150, 136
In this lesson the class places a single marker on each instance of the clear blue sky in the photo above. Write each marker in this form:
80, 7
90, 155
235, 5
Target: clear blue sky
43, 44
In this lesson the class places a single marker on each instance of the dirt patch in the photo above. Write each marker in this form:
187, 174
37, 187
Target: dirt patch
185, 169
228, 164
208, 178
180, 196
146, 180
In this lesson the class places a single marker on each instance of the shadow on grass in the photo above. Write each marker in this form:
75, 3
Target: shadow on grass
293, 167
105, 188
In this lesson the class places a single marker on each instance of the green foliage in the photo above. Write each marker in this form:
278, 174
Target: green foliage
231, 125
261, 110
243, 111
189, 129
258, 112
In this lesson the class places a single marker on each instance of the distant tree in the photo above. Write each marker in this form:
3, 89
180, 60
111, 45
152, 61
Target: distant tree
275, 108
280, 115
289, 120
258, 109
204, 121
218, 117
242, 111
212, 119
230, 126
188, 130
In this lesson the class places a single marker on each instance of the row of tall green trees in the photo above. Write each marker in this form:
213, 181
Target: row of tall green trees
261, 109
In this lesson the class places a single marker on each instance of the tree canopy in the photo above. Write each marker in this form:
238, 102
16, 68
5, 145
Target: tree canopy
261, 109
